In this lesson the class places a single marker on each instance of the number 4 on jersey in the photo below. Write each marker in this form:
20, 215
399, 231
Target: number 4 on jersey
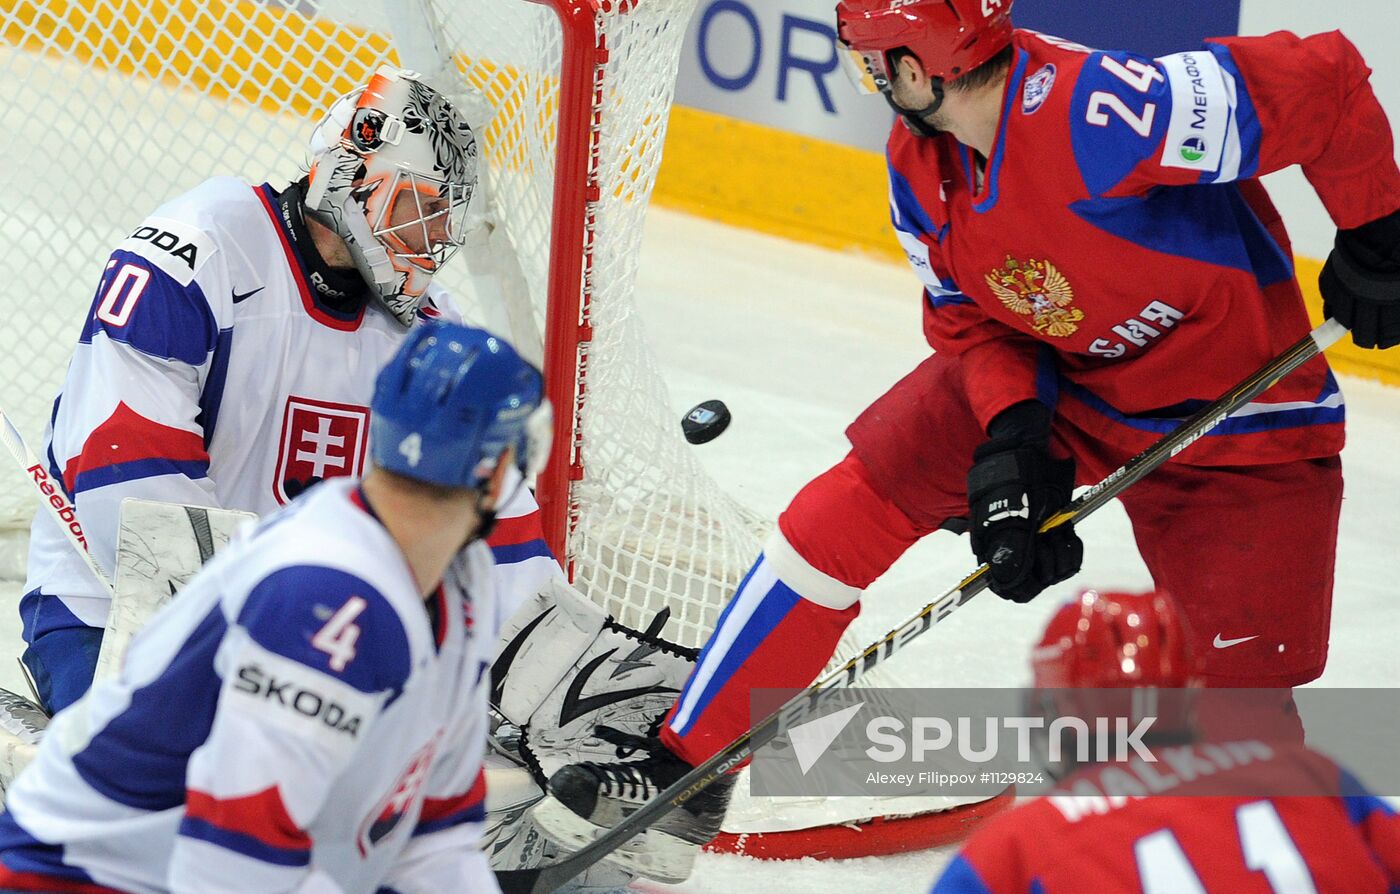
337, 639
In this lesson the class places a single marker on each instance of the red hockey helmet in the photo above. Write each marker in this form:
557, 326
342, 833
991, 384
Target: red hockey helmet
1118, 655
950, 37
1115, 640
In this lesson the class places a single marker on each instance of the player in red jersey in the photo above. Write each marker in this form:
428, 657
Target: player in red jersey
1098, 260
1102, 831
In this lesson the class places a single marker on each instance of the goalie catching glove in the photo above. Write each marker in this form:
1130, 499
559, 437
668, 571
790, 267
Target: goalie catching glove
583, 691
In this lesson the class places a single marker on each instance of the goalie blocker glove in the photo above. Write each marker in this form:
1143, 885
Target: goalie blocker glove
1013, 486
1360, 283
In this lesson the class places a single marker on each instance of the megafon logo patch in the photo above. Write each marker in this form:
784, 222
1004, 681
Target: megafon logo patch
1192, 149
811, 740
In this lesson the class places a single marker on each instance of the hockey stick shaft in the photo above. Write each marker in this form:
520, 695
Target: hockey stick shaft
51, 494
804, 705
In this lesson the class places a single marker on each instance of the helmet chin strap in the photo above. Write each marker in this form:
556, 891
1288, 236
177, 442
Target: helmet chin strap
487, 523
370, 256
915, 118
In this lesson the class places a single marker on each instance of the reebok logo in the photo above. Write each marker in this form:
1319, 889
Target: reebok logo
56, 498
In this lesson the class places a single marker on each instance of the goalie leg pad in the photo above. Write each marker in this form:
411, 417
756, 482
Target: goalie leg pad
512, 840
539, 646
581, 687
652, 854
609, 705
160, 546
22, 723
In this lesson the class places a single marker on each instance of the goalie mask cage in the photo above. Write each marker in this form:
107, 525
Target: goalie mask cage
114, 106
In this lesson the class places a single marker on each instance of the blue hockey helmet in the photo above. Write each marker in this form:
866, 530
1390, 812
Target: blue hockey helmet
450, 403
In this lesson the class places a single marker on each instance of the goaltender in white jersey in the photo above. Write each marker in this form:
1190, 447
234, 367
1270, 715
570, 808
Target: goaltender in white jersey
310, 714
232, 345
227, 362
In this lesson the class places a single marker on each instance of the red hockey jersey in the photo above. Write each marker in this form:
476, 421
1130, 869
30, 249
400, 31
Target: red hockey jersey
1150, 837
1117, 257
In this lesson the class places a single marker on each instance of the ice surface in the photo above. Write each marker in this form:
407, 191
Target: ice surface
797, 341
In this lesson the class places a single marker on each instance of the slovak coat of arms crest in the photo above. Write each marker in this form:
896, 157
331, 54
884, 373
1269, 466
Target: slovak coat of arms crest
1036, 289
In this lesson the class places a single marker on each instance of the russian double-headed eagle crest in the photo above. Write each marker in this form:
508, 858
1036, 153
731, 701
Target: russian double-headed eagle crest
1035, 288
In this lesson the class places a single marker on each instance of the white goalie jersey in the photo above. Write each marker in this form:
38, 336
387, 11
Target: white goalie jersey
211, 372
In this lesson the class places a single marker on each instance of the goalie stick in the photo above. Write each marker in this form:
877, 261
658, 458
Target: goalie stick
51, 494
24, 721
803, 705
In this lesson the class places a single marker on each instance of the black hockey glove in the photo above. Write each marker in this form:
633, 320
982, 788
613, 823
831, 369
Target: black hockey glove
1360, 283
1014, 485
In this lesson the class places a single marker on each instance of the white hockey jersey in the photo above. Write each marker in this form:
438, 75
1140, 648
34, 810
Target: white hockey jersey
293, 722
209, 372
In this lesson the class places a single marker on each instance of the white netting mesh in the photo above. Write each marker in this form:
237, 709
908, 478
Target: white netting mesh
653, 529
113, 106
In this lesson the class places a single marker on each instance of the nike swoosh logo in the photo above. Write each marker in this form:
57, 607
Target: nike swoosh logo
575, 707
238, 299
1227, 643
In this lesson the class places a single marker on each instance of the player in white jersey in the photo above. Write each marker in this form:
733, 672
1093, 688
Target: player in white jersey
232, 345
310, 714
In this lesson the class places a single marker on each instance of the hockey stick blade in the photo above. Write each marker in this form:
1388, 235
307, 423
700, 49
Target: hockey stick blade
796, 710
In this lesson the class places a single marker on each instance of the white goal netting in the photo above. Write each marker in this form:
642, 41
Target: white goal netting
113, 106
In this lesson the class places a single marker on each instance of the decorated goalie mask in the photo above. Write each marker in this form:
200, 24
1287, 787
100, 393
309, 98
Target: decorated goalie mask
392, 173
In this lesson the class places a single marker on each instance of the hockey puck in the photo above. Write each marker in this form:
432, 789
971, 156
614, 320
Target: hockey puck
705, 422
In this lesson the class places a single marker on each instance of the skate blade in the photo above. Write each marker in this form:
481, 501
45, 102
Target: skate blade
652, 854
